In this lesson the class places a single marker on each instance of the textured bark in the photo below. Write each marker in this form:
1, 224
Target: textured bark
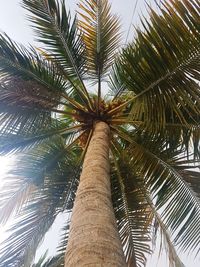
94, 239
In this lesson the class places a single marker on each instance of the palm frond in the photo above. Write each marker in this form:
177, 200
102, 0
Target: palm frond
41, 260
30, 89
27, 105
20, 246
185, 136
31, 168
21, 121
116, 84
54, 28
24, 102
22, 140
173, 135
162, 171
25, 94
61, 249
134, 183
56, 261
178, 202
14, 194
161, 67
100, 34
174, 259
26, 64
55, 193
132, 213
191, 177
19, 111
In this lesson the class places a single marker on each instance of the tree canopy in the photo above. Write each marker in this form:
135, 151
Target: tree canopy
50, 98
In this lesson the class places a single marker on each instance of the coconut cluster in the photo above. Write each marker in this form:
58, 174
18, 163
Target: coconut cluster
100, 112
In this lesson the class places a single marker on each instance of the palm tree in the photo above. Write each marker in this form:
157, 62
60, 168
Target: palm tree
136, 150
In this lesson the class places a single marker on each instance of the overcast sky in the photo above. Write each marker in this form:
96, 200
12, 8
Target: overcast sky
13, 22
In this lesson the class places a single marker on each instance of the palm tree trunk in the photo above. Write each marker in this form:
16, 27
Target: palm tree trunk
94, 239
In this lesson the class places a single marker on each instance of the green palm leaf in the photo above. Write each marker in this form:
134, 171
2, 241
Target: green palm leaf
22, 140
14, 194
17, 61
30, 90
173, 135
52, 262
34, 222
54, 28
132, 213
137, 194
191, 177
177, 199
161, 66
100, 34
55, 175
165, 236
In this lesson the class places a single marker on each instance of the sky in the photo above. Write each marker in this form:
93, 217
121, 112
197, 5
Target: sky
13, 22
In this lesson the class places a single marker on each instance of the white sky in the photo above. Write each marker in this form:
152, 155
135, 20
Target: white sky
12, 16
13, 22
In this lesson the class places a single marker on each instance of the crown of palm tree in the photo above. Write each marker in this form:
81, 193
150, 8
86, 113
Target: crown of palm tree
50, 99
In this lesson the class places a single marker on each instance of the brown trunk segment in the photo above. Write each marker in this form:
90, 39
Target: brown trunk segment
94, 239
